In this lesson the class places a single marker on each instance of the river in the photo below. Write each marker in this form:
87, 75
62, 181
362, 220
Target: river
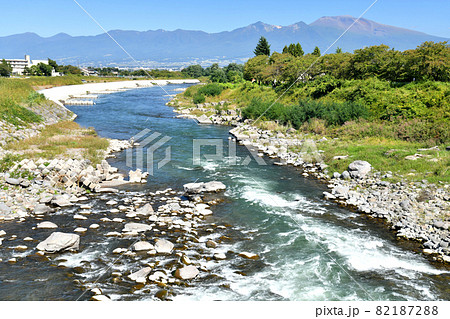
309, 248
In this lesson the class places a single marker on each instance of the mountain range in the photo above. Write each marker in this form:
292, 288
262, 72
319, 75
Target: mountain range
180, 47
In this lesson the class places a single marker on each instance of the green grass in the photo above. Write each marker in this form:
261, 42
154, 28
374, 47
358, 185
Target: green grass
61, 139
8, 161
389, 155
17, 114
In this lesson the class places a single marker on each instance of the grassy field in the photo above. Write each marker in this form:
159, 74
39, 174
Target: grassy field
63, 138
389, 155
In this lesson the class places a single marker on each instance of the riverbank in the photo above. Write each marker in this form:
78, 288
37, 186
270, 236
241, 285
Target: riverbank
418, 211
71, 174
61, 94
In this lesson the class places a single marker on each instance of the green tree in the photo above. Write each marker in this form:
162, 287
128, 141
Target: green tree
369, 61
263, 47
298, 50
294, 49
68, 69
254, 68
338, 50
316, 51
5, 68
210, 69
218, 76
193, 71
53, 64
430, 61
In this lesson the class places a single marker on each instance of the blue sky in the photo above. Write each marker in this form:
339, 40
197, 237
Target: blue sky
49, 17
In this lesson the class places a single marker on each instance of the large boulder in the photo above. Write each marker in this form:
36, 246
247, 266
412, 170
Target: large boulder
196, 188
61, 201
57, 242
145, 210
136, 228
340, 191
142, 246
40, 209
203, 119
163, 246
187, 272
141, 275
359, 169
12, 181
135, 176
4, 209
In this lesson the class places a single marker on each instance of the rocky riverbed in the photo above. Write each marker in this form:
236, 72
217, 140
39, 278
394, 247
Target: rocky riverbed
418, 211
154, 243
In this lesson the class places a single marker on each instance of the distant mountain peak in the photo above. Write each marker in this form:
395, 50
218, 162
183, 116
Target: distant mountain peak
362, 26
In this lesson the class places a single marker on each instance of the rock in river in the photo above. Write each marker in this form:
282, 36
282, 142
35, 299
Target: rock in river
196, 188
61, 201
248, 255
147, 209
187, 272
163, 246
136, 228
141, 275
46, 225
60, 242
40, 209
142, 246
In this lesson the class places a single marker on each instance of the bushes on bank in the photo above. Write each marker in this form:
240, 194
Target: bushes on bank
332, 113
198, 98
212, 89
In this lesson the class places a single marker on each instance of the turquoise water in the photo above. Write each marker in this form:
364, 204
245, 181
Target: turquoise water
309, 249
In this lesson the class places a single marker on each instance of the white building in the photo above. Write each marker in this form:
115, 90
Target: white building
18, 65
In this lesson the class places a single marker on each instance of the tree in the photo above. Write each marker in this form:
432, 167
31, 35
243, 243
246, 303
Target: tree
338, 50
53, 64
234, 72
218, 76
298, 50
193, 71
316, 51
263, 47
68, 69
369, 61
5, 68
254, 67
210, 69
430, 61
294, 49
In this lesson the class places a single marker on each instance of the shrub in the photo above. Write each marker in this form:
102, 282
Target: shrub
332, 113
198, 98
212, 89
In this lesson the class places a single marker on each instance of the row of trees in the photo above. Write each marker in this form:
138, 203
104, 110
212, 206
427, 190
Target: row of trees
429, 61
44, 69
233, 72
296, 50
155, 73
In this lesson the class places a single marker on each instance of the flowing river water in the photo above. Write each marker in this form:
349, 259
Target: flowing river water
309, 249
